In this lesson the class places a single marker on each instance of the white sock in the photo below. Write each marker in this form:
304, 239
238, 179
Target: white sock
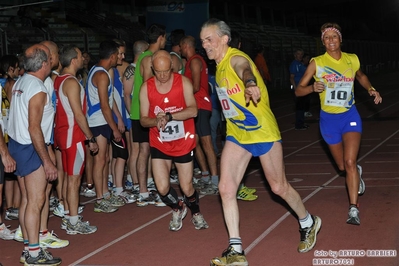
307, 221
118, 190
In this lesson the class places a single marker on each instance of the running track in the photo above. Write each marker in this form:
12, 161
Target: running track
140, 236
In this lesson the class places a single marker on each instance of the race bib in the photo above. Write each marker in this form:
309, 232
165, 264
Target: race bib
338, 94
173, 130
225, 102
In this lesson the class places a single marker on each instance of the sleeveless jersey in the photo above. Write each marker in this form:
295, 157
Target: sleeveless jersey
202, 96
179, 136
247, 124
67, 130
23, 90
119, 99
181, 71
338, 77
95, 116
138, 81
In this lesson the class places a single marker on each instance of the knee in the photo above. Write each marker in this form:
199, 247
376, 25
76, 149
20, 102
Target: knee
280, 188
227, 191
350, 164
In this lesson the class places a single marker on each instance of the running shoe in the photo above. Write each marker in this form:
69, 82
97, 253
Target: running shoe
59, 210
176, 222
64, 222
197, 171
151, 184
209, 189
11, 214
80, 227
362, 185
23, 256
18, 235
230, 257
128, 197
136, 190
199, 183
309, 235
128, 185
53, 203
248, 190
174, 177
51, 240
81, 207
89, 192
115, 200
308, 114
199, 221
153, 199
243, 194
104, 206
44, 258
353, 216
5, 233
158, 200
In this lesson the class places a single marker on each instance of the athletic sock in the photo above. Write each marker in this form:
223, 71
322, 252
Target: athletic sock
307, 221
74, 219
236, 243
205, 176
215, 179
34, 249
144, 195
43, 233
118, 190
106, 195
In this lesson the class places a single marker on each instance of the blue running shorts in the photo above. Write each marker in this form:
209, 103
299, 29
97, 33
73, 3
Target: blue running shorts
333, 126
256, 149
25, 156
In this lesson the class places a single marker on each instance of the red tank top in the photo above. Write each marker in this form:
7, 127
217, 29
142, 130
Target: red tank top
179, 136
67, 130
202, 96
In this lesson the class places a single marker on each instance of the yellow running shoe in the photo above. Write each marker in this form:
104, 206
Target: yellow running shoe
51, 240
230, 257
249, 190
309, 235
243, 194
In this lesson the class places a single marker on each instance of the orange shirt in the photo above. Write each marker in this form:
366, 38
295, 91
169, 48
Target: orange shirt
260, 63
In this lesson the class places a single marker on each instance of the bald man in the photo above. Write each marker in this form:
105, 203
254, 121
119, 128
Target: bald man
30, 130
168, 108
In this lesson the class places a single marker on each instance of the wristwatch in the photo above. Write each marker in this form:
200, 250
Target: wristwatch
169, 115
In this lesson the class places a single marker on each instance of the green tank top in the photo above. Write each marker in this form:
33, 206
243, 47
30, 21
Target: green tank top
138, 81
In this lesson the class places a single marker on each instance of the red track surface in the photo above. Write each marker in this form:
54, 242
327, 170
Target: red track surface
140, 236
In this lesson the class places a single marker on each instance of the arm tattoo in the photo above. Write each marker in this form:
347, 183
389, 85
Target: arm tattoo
129, 72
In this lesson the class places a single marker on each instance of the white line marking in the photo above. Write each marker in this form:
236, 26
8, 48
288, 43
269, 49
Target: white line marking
257, 240
282, 218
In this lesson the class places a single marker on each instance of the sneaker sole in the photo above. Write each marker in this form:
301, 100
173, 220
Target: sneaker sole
254, 197
213, 263
78, 232
100, 210
49, 246
362, 185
